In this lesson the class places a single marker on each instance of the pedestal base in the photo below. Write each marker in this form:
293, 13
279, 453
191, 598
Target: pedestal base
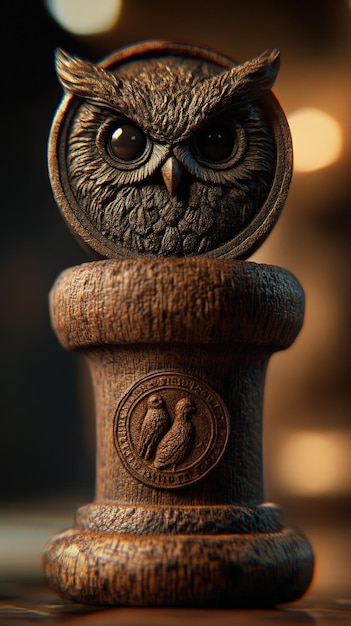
232, 570
178, 350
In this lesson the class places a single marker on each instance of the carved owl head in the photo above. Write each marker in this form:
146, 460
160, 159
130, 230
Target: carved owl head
168, 149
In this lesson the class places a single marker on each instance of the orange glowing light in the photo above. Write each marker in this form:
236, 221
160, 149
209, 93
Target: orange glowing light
317, 139
85, 17
315, 463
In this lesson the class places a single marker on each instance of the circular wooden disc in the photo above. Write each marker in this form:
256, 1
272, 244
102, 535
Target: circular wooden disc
209, 427
88, 234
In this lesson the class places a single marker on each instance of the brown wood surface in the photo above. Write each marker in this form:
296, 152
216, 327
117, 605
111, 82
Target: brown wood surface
196, 533
177, 347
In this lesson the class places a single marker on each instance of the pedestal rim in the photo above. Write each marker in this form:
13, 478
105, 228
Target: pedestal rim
180, 519
196, 300
253, 570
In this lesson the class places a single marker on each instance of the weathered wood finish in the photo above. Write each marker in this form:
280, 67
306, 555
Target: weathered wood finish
178, 347
207, 329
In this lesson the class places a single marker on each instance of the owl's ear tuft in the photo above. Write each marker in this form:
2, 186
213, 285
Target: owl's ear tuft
257, 75
86, 80
242, 83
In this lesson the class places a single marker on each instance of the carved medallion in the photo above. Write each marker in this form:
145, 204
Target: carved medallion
170, 429
206, 175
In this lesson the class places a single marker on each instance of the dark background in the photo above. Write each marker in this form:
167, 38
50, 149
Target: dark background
47, 442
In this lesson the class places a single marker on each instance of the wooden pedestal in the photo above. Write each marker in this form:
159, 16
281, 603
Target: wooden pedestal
178, 350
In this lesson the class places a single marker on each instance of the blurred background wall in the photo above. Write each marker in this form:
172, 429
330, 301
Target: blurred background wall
47, 440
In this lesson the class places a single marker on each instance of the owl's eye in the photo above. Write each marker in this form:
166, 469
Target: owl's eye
128, 143
215, 143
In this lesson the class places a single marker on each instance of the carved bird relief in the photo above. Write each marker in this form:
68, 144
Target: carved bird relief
155, 424
169, 157
178, 441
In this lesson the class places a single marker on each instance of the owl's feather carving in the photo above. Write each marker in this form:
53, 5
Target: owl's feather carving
87, 80
244, 82
172, 106
170, 89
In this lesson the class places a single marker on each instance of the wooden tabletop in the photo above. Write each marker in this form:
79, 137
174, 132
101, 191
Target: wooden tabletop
31, 602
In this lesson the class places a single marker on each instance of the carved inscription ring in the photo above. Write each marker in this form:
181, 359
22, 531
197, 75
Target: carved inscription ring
170, 429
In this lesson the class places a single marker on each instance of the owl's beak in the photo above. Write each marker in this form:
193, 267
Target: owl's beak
172, 174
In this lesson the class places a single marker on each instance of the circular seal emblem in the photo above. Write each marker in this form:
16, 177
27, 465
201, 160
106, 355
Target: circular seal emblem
170, 429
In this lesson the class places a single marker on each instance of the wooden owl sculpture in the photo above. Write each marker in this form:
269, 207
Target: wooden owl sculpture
170, 150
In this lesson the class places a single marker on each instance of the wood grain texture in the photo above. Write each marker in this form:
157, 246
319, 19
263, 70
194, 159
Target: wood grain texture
183, 520
176, 301
197, 533
197, 570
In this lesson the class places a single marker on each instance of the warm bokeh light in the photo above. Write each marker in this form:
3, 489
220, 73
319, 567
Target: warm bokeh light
315, 463
85, 17
317, 139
